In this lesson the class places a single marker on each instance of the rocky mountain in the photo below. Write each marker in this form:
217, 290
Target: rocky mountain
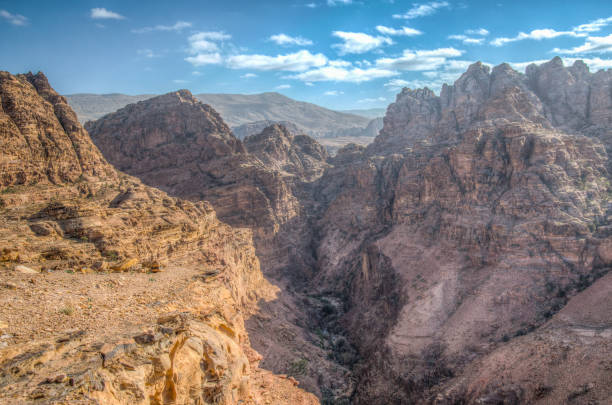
467, 238
112, 291
254, 128
238, 111
262, 183
463, 257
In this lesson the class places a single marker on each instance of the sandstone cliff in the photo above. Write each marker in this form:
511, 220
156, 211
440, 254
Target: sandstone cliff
112, 291
451, 261
264, 184
459, 236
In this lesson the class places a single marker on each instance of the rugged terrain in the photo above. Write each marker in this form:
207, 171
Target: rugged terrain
113, 291
469, 237
466, 240
461, 258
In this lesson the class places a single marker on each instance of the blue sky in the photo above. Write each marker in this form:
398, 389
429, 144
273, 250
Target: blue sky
337, 53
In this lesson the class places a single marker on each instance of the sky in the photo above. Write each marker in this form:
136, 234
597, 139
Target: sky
341, 54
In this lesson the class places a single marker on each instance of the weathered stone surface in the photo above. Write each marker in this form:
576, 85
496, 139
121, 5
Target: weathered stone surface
66, 210
472, 219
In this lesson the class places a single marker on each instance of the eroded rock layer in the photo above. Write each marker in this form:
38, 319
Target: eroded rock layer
461, 237
112, 292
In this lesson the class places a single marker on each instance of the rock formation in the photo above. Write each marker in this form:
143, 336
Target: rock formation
112, 291
456, 259
467, 238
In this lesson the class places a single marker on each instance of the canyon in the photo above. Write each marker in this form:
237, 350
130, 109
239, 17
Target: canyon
463, 257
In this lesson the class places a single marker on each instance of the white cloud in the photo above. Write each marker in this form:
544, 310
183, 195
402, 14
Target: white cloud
340, 74
15, 19
293, 62
202, 59
539, 34
283, 86
359, 42
203, 48
479, 31
333, 93
248, 76
467, 40
102, 13
180, 81
178, 26
591, 45
406, 31
196, 73
593, 26
397, 84
419, 60
372, 100
311, 5
471, 40
338, 2
422, 10
283, 39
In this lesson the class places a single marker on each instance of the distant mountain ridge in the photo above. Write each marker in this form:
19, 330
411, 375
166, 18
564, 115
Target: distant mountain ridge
237, 110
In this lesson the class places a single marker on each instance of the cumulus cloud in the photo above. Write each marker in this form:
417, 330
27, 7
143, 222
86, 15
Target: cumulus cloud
343, 74
333, 93
419, 60
202, 59
284, 39
293, 62
204, 48
422, 10
15, 19
104, 14
178, 26
248, 76
591, 45
593, 26
283, 86
397, 84
580, 31
338, 2
311, 5
404, 31
359, 42
546, 33
480, 33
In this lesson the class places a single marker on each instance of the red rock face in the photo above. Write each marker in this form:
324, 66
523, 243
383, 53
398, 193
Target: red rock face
41, 138
465, 228
454, 243
169, 328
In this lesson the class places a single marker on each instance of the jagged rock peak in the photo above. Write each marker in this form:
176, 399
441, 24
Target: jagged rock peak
42, 140
548, 95
278, 148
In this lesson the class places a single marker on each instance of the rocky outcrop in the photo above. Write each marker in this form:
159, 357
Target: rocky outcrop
42, 139
296, 155
254, 128
145, 295
264, 183
457, 236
